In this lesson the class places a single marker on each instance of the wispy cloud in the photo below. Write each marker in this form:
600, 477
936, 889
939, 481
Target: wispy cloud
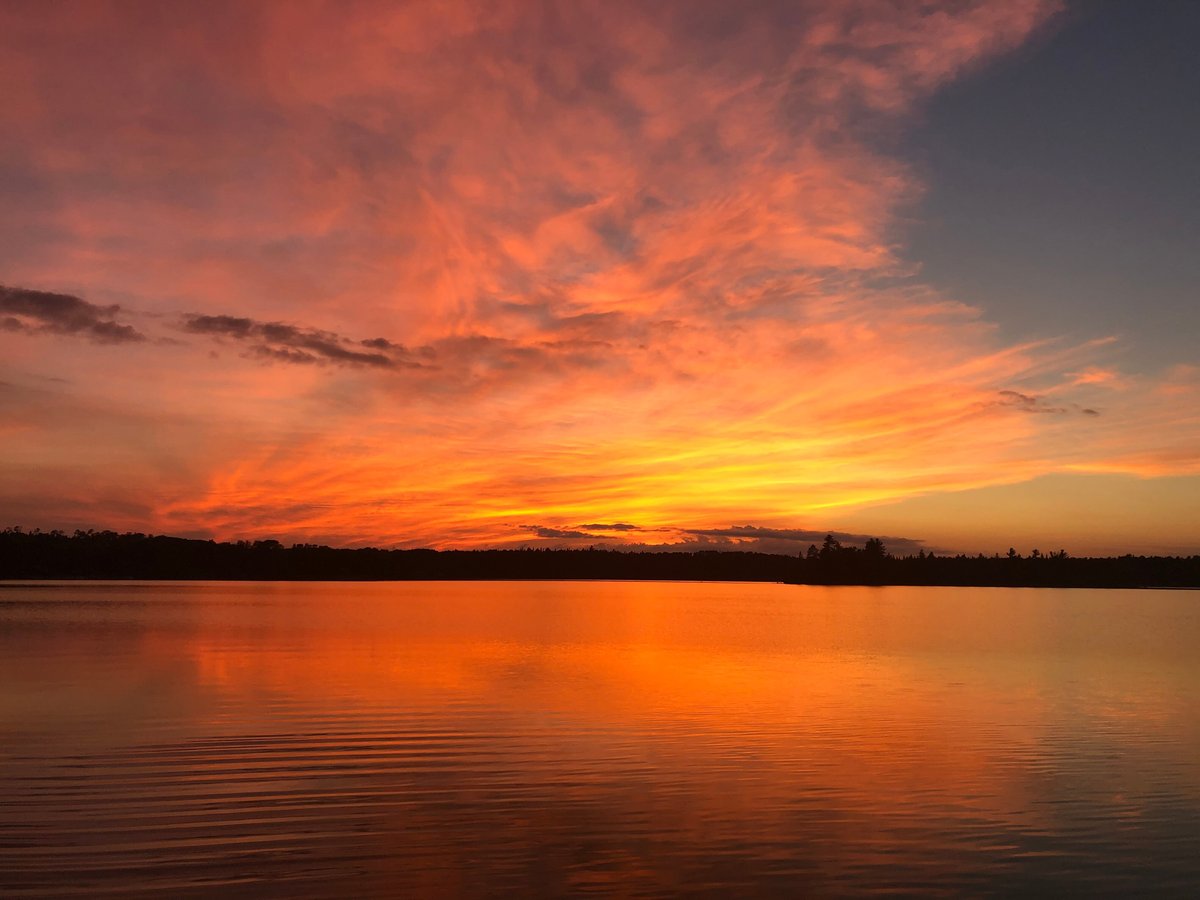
523, 263
1037, 405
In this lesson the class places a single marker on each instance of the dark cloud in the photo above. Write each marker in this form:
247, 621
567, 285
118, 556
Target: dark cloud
379, 344
1027, 403
543, 532
786, 540
786, 534
464, 360
41, 312
228, 326
281, 342
744, 538
1036, 405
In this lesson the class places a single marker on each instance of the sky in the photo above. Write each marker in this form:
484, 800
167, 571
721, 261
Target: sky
695, 275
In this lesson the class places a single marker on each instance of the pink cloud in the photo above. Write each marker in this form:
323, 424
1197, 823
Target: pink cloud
632, 254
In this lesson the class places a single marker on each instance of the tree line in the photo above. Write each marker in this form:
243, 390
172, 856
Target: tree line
832, 563
131, 555
107, 554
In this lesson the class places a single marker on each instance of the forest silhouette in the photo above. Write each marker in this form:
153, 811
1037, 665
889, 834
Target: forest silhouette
89, 554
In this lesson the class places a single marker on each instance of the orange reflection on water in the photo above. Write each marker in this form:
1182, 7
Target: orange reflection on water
908, 687
641, 734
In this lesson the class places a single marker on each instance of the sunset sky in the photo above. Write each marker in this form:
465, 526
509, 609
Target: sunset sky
700, 274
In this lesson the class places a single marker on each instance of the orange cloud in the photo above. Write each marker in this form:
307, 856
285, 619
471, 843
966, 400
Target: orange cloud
586, 263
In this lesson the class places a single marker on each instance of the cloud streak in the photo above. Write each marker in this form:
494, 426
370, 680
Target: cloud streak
1037, 405
25, 311
280, 342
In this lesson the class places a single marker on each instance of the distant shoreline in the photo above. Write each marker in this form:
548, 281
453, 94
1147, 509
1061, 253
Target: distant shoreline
12, 583
109, 556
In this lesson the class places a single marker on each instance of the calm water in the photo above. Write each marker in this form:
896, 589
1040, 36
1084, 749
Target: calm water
638, 738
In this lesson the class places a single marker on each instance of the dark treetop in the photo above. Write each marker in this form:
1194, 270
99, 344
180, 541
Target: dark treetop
106, 554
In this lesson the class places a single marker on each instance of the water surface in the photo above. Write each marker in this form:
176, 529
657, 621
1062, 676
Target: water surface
646, 739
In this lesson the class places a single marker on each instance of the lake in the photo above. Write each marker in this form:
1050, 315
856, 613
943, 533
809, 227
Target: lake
640, 738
